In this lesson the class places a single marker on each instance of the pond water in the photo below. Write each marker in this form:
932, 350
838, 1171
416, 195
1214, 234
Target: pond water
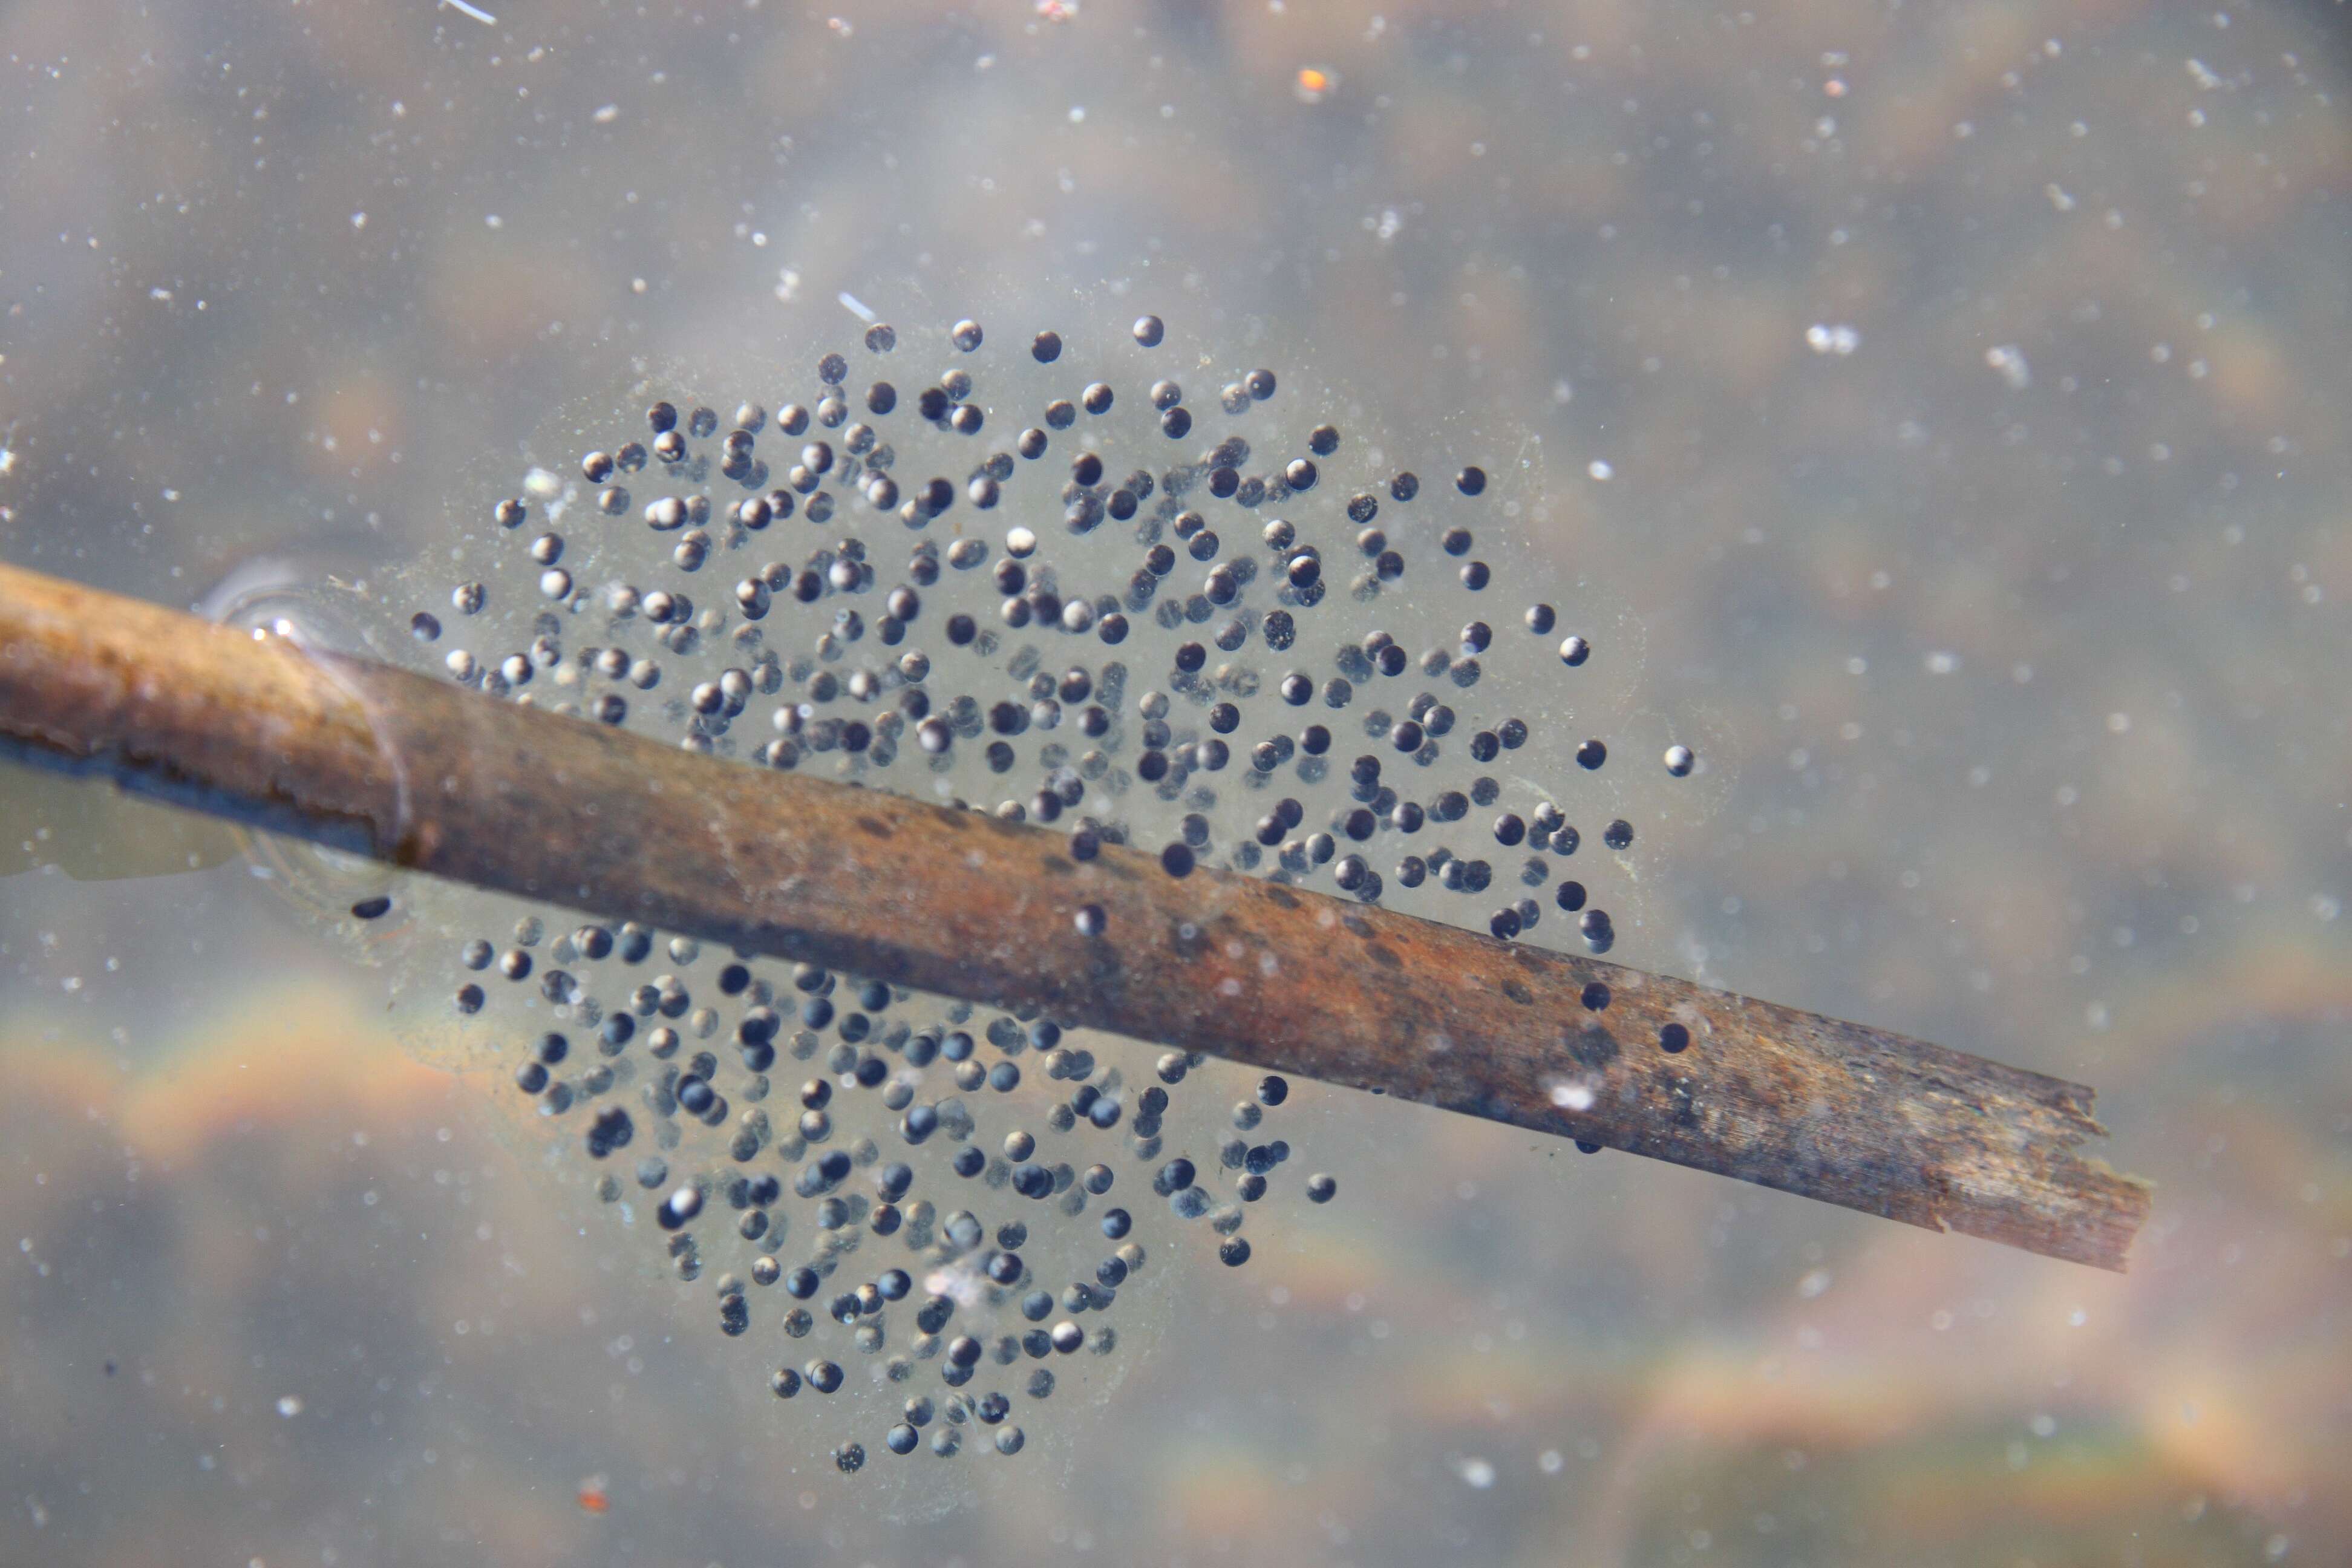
1924, 417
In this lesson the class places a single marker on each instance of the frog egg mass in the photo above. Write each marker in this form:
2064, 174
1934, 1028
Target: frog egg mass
1139, 611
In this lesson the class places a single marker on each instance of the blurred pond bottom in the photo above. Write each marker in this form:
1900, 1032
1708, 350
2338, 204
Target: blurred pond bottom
293, 1295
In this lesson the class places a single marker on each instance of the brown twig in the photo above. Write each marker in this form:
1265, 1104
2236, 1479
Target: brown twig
411, 770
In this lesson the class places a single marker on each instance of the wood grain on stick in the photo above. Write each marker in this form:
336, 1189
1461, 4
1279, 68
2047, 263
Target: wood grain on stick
423, 775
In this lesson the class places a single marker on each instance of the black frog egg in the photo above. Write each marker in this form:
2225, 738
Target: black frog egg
1599, 933
680, 1207
1140, 681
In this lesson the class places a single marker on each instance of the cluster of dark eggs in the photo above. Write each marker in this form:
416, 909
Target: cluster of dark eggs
1183, 649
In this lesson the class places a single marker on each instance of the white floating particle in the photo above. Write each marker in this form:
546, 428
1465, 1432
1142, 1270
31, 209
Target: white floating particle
1942, 662
1476, 1472
855, 307
475, 12
1600, 469
359, 220
1571, 1096
289, 1405
606, 114
2009, 360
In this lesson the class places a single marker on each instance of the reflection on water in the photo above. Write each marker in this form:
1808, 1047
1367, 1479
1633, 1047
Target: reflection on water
2015, 609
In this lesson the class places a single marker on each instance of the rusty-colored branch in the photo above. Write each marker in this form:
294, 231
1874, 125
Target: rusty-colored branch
415, 772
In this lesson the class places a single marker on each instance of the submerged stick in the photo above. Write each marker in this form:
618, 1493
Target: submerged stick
385, 763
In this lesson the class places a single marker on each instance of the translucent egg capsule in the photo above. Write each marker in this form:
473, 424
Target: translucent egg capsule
1254, 644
